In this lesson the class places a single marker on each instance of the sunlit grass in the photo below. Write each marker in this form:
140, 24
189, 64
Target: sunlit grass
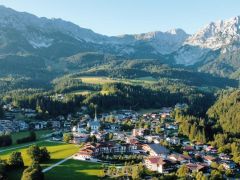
75, 169
58, 151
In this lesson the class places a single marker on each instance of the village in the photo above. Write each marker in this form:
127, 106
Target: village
124, 136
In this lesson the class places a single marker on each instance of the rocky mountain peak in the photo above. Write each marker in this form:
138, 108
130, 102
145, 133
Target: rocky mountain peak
216, 35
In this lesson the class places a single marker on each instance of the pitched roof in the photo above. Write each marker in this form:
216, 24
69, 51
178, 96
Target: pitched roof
156, 160
194, 167
209, 158
188, 148
158, 149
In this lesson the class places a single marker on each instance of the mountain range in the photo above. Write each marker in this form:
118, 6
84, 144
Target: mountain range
29, 43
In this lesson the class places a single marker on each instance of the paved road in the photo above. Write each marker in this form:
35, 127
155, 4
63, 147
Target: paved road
58, 163
26, 145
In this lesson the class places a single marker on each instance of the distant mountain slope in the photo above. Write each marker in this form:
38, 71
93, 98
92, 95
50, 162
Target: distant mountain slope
164, 42
43, 48
41, 33
25, 22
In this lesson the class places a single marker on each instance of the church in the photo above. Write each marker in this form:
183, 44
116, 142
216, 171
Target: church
94, 124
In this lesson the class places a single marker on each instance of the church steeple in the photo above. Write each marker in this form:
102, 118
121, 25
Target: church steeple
95, 118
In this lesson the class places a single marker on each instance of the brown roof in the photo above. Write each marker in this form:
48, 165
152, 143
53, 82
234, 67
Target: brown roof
156, 160
209, 158
194, 167
188, 148
85, 152
187, 157
176, 156
180, 157
134, 141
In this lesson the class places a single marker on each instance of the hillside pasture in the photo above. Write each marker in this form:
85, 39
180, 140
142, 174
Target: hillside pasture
103, 80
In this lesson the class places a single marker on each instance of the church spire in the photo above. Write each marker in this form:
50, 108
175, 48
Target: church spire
95, 118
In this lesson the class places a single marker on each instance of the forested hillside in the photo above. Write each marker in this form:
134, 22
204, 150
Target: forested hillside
227, 112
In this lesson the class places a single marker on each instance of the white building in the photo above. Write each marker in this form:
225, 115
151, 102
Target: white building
154, 163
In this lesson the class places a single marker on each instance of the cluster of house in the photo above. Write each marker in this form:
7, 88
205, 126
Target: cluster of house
196, 156
12, 123
162, 161
11, 111
157, 157
8, 126
99, 127
91, 151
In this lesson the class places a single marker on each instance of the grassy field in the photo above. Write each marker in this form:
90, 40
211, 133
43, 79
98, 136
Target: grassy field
80, 92
58, 151
104, 80
146, 78
75, 169
97, 80
18, 135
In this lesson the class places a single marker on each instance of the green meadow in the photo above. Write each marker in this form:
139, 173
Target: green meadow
75, 169
58, 151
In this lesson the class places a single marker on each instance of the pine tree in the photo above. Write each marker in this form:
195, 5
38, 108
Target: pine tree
193, 132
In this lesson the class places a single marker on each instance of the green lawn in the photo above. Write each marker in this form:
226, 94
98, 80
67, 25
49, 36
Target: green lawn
75, 169
58, 151
40, 134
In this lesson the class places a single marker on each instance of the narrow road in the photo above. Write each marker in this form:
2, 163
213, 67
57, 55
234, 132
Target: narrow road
18, 147
58, 163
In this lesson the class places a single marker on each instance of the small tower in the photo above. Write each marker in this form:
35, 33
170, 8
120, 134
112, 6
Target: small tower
95, 118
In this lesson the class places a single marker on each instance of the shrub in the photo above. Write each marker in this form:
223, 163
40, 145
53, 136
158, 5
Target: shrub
5, 140
38, 154
30, 138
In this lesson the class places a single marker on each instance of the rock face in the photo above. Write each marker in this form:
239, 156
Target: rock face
216, 35
223, 35
164, 42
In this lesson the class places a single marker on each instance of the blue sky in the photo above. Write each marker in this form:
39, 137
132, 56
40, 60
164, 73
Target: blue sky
115, 17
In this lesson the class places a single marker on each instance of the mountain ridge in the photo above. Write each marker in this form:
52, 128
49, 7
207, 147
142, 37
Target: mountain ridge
24, 34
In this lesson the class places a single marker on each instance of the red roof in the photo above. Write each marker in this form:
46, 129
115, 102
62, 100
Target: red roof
133, 141
85, 152
156, 160
188, 148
